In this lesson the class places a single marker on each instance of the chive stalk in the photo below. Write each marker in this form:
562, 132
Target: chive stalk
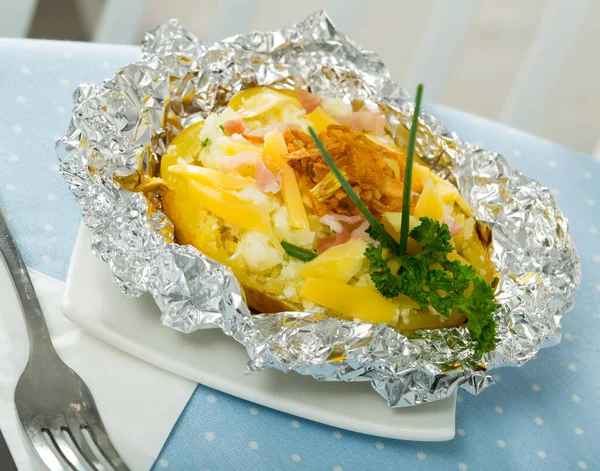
298, 252
410, 153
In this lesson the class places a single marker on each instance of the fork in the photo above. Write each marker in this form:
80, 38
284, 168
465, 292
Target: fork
54, 405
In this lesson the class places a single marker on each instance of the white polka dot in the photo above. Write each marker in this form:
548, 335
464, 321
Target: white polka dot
593, 229
67, 54
578, 431
460, 432
552, 164
25, 70
338, 468
60, 109
575, 398
296, 458
501, 443
596, 258
459, 398
462, 467
10, 186
210, 436
295, 424
541, 454
499, 410
421, 455
105, 65
534, 357
46, 258
17, 128
497, 378
597, 286
538, 420
254, 411
211, 398
536, 387
555, 191
587, 174
64, 81
379, 445
9, 217
591, 202
572, 367
49, 227
569, 336
582, 465
54, 167
163, 463
20, 99
253, 445
13, 157
516, 153
337, 434
52, 197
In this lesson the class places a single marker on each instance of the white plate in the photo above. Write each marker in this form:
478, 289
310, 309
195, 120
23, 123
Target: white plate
211, 358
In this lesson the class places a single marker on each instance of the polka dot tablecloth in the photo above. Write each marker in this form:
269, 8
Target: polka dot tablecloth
542, 416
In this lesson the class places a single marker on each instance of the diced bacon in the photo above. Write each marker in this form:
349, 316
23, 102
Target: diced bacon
334, 221
308, 100
253, 139
229, 164
361, 232
454, 227
333, 240
266, 180
279, 127
234, 126
365, 120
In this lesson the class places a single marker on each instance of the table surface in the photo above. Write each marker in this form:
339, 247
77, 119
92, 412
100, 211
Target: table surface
544, 415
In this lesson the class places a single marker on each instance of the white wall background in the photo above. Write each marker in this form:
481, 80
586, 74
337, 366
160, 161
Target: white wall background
482, 74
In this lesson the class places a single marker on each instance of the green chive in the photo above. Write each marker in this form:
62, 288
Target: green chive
222, 127
377, 227
206, 142
298, 252
410, 154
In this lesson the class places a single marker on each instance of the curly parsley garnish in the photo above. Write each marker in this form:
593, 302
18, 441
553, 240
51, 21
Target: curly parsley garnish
433, 281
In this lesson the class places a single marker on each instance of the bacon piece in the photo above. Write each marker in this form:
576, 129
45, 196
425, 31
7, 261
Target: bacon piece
234, 126
333, 240
365, 120
361, 232
334, 221
266, 180
308, 100
454, 227
252, 138
241, 159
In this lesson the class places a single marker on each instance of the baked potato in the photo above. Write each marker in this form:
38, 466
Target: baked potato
248, 188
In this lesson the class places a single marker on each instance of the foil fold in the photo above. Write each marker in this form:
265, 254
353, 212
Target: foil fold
119, 129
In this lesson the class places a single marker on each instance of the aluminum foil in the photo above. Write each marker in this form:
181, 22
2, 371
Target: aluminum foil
120, 128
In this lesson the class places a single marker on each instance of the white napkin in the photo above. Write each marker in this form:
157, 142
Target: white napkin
139, 403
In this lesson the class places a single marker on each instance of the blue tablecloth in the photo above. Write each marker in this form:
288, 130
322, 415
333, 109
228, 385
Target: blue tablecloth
545, 415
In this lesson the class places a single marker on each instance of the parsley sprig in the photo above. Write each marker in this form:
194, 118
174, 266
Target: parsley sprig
428, 277
433, 281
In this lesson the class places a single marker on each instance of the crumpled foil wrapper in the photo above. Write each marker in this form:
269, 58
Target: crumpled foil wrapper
121, 128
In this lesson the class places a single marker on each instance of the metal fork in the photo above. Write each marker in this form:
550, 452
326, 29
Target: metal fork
55, 406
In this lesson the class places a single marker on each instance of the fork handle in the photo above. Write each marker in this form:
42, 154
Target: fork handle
37, 330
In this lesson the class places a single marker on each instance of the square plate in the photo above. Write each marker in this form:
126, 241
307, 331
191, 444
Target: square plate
210, 357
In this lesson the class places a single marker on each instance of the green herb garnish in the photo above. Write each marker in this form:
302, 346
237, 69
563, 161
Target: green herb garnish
298, 252
375, 224
441, 289
222, 128
205, 143
410, 154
